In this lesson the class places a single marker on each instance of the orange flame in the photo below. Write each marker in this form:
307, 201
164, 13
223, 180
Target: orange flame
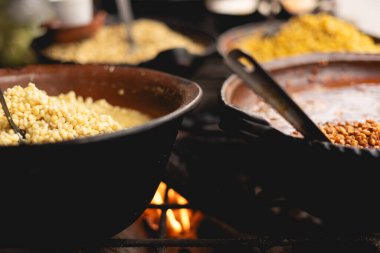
179, 222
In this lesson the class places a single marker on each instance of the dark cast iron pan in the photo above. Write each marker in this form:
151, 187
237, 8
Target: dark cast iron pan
176, 61
90, 188
338, 184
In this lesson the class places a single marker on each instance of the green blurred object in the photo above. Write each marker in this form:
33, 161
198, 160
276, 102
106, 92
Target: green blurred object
20, 22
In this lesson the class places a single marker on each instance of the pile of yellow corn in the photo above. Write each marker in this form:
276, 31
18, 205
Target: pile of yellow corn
307, 34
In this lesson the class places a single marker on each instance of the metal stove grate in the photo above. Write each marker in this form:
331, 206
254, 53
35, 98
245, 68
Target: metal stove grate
236, 240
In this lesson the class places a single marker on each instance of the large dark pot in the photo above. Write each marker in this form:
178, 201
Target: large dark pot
90, 188
338, 184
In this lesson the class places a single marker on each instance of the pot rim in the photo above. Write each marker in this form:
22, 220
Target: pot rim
241, 31
289, 62
192, 97
233, 81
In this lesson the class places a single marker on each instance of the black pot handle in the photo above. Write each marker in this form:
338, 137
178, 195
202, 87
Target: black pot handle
247, 126
258, 80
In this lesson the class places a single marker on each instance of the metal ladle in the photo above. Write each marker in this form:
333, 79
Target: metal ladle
125, 12
267, 88
21, 133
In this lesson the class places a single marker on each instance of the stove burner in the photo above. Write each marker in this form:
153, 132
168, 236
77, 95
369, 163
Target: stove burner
232, 241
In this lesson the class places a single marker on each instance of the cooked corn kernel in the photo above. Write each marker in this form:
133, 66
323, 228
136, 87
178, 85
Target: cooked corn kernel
109, 45
59, 118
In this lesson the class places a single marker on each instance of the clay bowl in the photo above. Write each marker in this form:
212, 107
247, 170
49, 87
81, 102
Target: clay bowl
64, 35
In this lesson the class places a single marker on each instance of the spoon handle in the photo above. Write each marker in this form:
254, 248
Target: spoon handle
125, 10
18, 131
268, 89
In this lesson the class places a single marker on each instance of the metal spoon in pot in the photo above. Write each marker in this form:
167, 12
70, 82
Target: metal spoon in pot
21, 133
125, 12
267, 88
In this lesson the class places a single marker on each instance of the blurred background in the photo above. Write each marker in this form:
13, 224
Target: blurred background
21, 21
